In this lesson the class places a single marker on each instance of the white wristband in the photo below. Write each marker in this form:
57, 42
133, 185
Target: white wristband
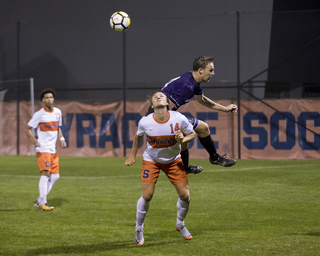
62, 138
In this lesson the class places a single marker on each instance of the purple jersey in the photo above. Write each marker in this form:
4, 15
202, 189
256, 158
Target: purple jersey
180, 90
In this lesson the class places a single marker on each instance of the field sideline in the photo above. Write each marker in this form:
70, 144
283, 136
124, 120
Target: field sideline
257, 207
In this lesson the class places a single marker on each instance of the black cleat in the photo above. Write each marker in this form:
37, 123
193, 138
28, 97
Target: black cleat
194, 169
223, 161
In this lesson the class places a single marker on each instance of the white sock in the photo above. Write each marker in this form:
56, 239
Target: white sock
182, 211
52, 180
43, 189
142, 208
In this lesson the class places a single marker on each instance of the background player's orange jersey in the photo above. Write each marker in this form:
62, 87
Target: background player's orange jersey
47, 124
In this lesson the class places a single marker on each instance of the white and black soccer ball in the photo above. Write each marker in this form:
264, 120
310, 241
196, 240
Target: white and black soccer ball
120, 21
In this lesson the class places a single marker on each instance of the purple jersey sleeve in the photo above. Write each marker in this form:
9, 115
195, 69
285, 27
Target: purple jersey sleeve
180, 90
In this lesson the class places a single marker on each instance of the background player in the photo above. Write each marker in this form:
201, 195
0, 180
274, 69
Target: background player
165, 131
48, 122
183, 88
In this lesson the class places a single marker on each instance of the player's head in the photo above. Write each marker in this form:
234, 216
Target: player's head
202, 62
45, 91
203, 68
158, 99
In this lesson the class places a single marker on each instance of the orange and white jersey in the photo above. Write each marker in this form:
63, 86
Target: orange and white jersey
162, 146
47, 124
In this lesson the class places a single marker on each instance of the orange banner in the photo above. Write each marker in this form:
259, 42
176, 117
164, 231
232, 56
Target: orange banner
289, 132
292, 131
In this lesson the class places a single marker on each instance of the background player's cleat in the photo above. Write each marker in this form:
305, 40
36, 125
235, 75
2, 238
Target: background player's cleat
194, 169
185, 232
46, 207
36, 203
223, 161
139, 239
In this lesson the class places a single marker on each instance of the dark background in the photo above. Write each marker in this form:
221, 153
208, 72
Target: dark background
68, 45
295, 46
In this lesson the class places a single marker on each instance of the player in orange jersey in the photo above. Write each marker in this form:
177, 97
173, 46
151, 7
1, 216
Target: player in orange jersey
48, 122
165, 131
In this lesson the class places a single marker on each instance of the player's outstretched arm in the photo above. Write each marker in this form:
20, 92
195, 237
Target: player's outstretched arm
207, 102
132, 158
232, 108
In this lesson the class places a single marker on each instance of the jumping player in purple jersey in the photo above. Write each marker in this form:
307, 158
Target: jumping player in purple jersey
180, 91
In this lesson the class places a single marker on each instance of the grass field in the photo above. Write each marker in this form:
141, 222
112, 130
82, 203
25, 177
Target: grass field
257, 207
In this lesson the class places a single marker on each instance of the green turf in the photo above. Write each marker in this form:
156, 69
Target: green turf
257, 207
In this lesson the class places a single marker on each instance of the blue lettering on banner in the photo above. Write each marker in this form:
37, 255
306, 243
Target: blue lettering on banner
302, 131
130, 116
103, 138
290, 130
108, 123
208, 116
66, 127
81, 131
263, 134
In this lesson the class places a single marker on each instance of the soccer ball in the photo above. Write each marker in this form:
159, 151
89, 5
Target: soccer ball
120, 21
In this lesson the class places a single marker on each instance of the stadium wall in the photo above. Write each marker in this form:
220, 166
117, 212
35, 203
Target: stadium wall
94, 129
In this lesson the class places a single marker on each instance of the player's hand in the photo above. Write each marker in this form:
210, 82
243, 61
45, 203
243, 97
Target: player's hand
232, 108
130, 161
36, 143
179, 137
63, 143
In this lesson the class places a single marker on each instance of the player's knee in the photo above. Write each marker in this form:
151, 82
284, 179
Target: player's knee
185, 196
203, 129
45, 173
147, 197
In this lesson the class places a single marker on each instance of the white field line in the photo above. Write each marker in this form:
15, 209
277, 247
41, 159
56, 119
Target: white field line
263, 167
135, 175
